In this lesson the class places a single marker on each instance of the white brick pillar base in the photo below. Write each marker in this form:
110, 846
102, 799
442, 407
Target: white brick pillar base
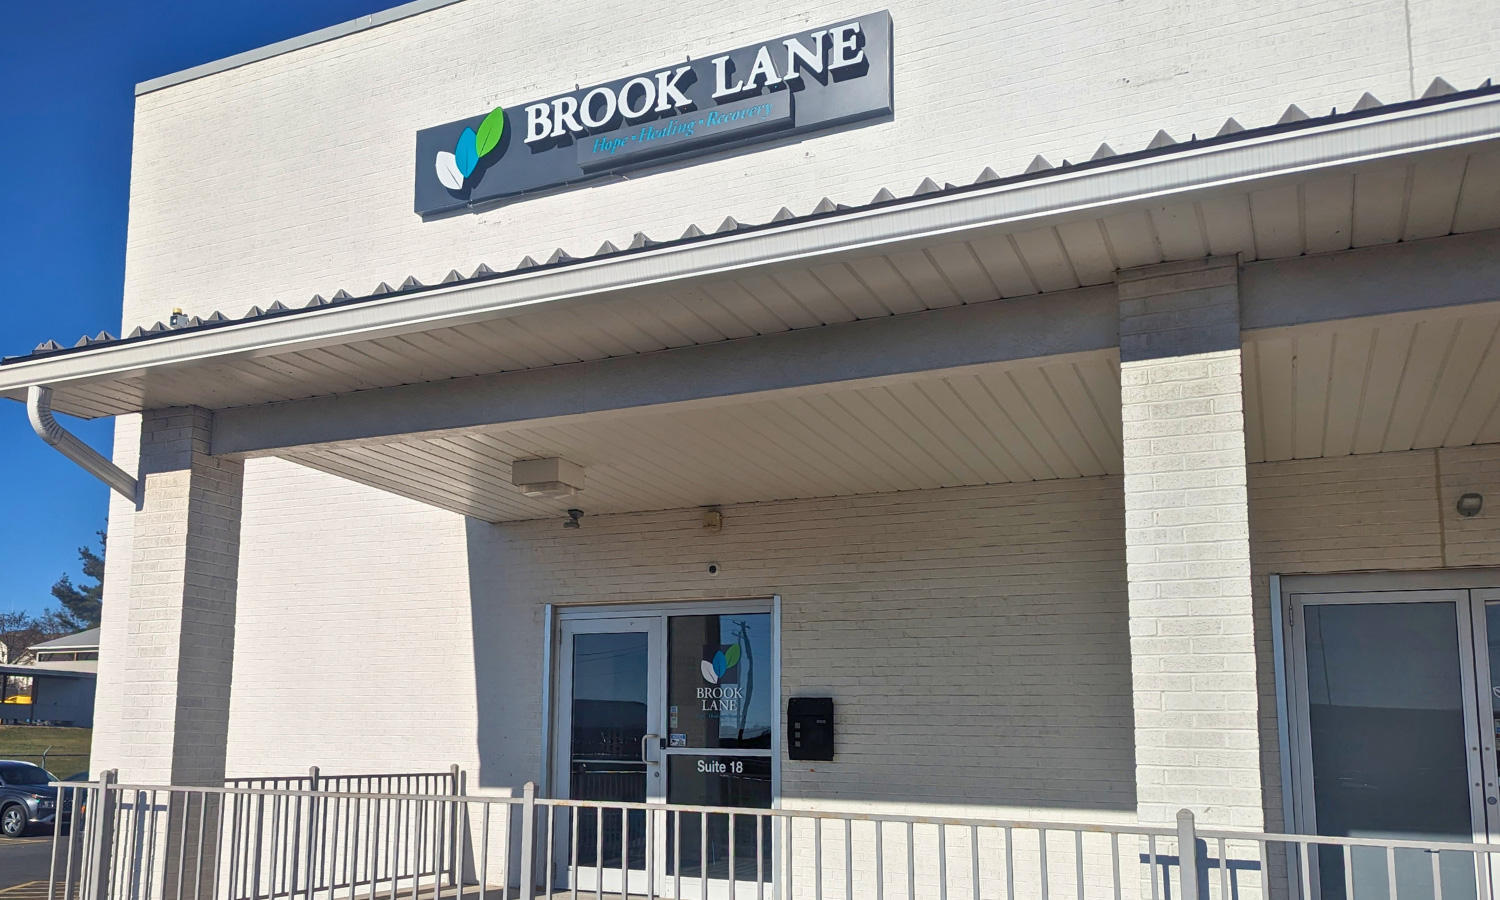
172, 723
1187, 545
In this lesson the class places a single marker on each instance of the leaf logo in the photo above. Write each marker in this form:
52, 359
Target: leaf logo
453, 168
722, 661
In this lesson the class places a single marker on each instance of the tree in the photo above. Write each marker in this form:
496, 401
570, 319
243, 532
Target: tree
81, 604
19, 631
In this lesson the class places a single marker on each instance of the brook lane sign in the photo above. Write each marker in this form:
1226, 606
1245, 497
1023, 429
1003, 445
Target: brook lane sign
811, 81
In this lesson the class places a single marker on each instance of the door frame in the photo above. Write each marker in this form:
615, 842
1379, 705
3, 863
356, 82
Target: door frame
551, 684
556, 748
654, 627
1305, 808
1484, 581
1283, 587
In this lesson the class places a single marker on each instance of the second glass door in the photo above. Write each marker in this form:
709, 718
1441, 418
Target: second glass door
721, 720
1396, 698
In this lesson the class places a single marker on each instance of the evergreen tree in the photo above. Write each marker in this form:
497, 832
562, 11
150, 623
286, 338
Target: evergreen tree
82, 604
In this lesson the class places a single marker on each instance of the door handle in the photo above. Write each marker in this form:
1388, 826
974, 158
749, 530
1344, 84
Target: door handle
645, 742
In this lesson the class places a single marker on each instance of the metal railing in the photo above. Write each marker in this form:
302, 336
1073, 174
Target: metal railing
150, 842
449, 782
138, 842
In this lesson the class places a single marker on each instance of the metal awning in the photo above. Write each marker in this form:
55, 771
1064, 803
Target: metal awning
39, 672
1375, 175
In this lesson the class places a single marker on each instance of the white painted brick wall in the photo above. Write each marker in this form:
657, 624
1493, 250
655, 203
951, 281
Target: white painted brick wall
1004, 603
294, 175
1470, 541
353, 649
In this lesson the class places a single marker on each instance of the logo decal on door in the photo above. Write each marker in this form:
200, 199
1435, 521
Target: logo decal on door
721, 669
718, 660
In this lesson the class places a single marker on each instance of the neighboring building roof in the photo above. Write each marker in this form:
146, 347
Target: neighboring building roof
83, 640
1294, 119
34, 671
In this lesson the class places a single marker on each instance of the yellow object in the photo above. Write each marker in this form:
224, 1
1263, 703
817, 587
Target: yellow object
18, 699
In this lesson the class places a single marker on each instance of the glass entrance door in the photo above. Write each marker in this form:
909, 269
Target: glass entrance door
673, 705
610, 747
1386, 690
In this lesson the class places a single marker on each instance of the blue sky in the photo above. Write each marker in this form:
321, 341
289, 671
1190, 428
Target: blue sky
67, 77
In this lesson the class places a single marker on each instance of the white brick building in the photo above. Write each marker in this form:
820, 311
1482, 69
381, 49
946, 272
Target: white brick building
1128, 465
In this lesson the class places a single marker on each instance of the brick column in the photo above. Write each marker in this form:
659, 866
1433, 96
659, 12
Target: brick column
1187, 545
172, 719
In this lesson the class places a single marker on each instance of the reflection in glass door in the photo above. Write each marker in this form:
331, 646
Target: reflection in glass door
1388, 711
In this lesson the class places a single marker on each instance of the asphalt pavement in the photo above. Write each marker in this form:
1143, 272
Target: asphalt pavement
25, 864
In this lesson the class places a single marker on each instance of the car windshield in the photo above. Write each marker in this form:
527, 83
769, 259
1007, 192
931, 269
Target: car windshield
24, 775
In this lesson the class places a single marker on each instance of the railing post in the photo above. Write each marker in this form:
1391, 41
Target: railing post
101, 839
310, 847
455, 835
1187, 853
528, 841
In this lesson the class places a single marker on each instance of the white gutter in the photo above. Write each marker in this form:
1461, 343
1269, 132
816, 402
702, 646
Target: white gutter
1062, 195
39, 409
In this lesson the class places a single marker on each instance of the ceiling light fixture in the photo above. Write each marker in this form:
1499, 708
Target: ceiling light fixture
549, 478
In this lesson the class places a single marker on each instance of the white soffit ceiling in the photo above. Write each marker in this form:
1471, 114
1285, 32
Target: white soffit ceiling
985, 425
1386, 383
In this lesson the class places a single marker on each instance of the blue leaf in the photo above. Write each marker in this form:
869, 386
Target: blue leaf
720, 663
467, 152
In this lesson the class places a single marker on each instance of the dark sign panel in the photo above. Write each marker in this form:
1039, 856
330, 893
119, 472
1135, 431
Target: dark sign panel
811, 81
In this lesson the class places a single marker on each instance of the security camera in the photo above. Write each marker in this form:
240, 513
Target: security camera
713, 568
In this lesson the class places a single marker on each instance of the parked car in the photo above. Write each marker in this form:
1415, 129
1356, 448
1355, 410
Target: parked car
26, 801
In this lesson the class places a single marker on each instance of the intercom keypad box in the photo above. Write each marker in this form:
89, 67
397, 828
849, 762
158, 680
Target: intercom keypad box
809, 728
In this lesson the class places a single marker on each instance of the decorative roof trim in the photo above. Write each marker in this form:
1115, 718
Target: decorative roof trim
1294, 119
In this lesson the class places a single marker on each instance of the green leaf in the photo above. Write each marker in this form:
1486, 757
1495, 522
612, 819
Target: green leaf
490, 130
732, 656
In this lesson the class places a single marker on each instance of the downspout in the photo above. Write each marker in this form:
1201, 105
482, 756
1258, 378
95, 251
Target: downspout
39, 409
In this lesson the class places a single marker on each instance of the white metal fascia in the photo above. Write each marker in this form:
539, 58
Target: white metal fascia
1062, 195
